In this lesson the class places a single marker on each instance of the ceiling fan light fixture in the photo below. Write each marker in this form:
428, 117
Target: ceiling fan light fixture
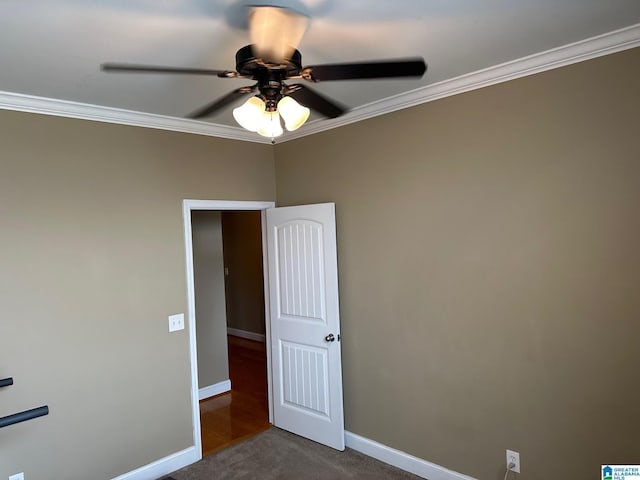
293, 114
250, 114
270, 125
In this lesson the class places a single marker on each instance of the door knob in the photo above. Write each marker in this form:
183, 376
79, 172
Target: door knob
329, 338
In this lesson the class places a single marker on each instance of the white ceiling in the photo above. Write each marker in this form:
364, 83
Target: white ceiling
51, 50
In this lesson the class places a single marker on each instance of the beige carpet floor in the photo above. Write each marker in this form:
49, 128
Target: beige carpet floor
279, 455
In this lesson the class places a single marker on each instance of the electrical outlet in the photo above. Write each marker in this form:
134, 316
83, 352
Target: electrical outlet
17, 476
176, 322
513, 458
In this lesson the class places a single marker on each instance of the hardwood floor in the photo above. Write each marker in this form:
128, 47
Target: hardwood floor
243, 412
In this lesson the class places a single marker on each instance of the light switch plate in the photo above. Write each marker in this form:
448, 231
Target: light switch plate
176, 322
17, 476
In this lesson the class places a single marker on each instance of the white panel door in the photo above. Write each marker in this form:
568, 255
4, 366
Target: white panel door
305, 323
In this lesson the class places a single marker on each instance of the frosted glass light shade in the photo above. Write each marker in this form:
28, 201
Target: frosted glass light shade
293, 114
270, 125
250, 114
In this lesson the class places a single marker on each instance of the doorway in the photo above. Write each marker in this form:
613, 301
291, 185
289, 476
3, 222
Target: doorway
304, 372
238, 348
227, 248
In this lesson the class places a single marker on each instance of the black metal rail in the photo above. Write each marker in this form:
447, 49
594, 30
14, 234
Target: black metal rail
23, 416
20, 416
5, 382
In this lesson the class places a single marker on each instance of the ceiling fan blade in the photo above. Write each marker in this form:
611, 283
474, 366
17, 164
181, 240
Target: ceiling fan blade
311, 99
220, 102
275, 32
411, 67
134, 68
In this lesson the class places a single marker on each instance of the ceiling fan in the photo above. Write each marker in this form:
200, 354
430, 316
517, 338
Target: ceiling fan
272, 59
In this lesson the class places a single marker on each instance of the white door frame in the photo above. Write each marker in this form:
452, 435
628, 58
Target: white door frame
187, 207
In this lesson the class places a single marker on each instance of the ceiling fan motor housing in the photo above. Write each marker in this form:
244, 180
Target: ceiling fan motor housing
270, 76
247, 63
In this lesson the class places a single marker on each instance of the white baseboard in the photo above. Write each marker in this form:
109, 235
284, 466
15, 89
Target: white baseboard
215, 389
371, 448
258, 337
162, 467
401, 460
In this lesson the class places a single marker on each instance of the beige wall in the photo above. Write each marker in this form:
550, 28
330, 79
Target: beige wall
211, 315
93, 262
489, 272
242, 232
489, 267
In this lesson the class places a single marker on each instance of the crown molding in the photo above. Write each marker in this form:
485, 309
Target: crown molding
605, 44
64, 108
601, 45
